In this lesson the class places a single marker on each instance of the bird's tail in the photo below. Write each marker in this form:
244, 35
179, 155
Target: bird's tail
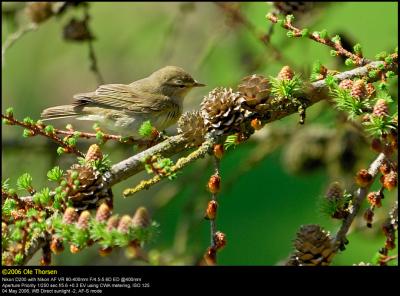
59, 112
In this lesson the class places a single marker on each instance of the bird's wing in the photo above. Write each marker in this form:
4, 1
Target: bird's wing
121, 96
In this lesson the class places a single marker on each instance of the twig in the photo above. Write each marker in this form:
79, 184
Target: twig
37, 129
359, 198
34, 246
72, 133
92, 55
105, 137
238, 17
93, 64
181, 163
14, 37
386, 259
87, 135
134, 164
389, 228
313, 36
213, 225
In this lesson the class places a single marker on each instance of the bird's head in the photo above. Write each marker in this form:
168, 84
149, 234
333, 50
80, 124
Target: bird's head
174, 81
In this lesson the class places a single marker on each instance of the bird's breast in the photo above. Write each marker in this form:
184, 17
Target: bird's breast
166, 119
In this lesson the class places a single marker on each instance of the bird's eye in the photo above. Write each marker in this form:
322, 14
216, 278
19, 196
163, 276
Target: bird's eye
179, 83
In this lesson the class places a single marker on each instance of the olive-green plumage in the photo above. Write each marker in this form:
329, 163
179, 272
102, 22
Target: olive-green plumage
124, 107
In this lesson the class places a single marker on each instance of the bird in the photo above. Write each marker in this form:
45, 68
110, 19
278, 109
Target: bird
123, 108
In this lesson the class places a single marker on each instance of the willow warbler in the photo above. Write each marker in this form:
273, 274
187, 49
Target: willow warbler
123, 108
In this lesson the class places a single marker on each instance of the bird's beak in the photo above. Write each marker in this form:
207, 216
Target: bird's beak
197, 84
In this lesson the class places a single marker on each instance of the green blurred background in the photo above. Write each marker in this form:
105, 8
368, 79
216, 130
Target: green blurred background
262, 202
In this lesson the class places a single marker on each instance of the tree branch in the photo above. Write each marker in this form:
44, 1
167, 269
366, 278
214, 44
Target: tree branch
213, 225
337, 46
14, 37
238, 17
359, 198
38, 129
92, 55
34, 246
181, 163
134, 164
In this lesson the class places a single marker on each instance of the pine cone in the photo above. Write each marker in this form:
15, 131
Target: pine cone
38, 12
56, 245
359, 89
286, 73
77, 30
314, 247
112, 223
295, 8
335, 191
93, 153
90, 192
141, 218
103, 213
346, 84
222, 110
219, 240
256, 89
191, 126
390, 180
70, 216
381, 108
370, 89
83, 221
335, 196
375, 199
124, 224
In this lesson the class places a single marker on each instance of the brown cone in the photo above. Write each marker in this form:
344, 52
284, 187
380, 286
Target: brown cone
359, 89
255, 89
38, 12
346, 84
313, 246
83, 221
90, 192
112, 223
191, 126
70, 216
295, 8
93, 153
141, 218
124, 224
77, 30
286, 73
103, 213
381, 108
222, 110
